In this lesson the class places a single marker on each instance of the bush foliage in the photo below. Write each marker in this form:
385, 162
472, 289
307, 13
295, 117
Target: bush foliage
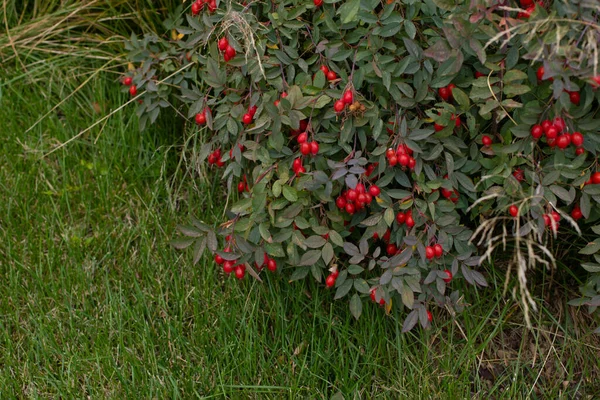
386, 148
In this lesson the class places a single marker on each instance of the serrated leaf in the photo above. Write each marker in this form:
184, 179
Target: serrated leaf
189, 231
290, 193
389, 216
461, 98
356, 305
299, 273
584, 205
408, 296
310, 257
348, 11
315, 242
211, 241
199, 248
562, 193
343, 289
336, 238
590, 267
181, 243
241, 206
351, 249
362, 286
372, 220
327, 253
413, 317
590, 248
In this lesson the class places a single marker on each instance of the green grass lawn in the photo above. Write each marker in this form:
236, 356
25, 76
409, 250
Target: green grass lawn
94, 303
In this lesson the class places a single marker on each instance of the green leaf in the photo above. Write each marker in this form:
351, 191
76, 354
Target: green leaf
327, 253
310, 257
241, 206
591, 267
336, 238
214, 76
591, 248
315, 242
290, 193
181, 243
516, 90
372, 220
514, 75
408, 296
199, 248
356, 305
322, 101
389, 216
362, 286
348, 11
584, 204
461, 98
563, 194
343, 289
319, 80
299, 273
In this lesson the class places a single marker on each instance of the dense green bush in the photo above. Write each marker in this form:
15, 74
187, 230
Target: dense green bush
386, 149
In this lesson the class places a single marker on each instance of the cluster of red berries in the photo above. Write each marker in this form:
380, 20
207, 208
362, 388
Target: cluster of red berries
402, 156
127, 81
405, 218
307, 147
451, 195
370, 168
243, 185
200, 118
331, 278
283, 96
455, 118
270, 263
225, 48
519, 174
329, 74
529, 7
215, 158
347, 99
297, 167
448, 194
198, 4
552, 129
551, 220
229, 266
353, 200
249, 116
435, 251
381, 301
446, 92
302, 128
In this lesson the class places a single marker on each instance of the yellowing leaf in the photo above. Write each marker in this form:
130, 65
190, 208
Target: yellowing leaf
130, 67
175, 35
273, 46
388, 307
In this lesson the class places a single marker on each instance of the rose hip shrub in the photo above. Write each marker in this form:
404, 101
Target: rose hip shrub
385, 148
